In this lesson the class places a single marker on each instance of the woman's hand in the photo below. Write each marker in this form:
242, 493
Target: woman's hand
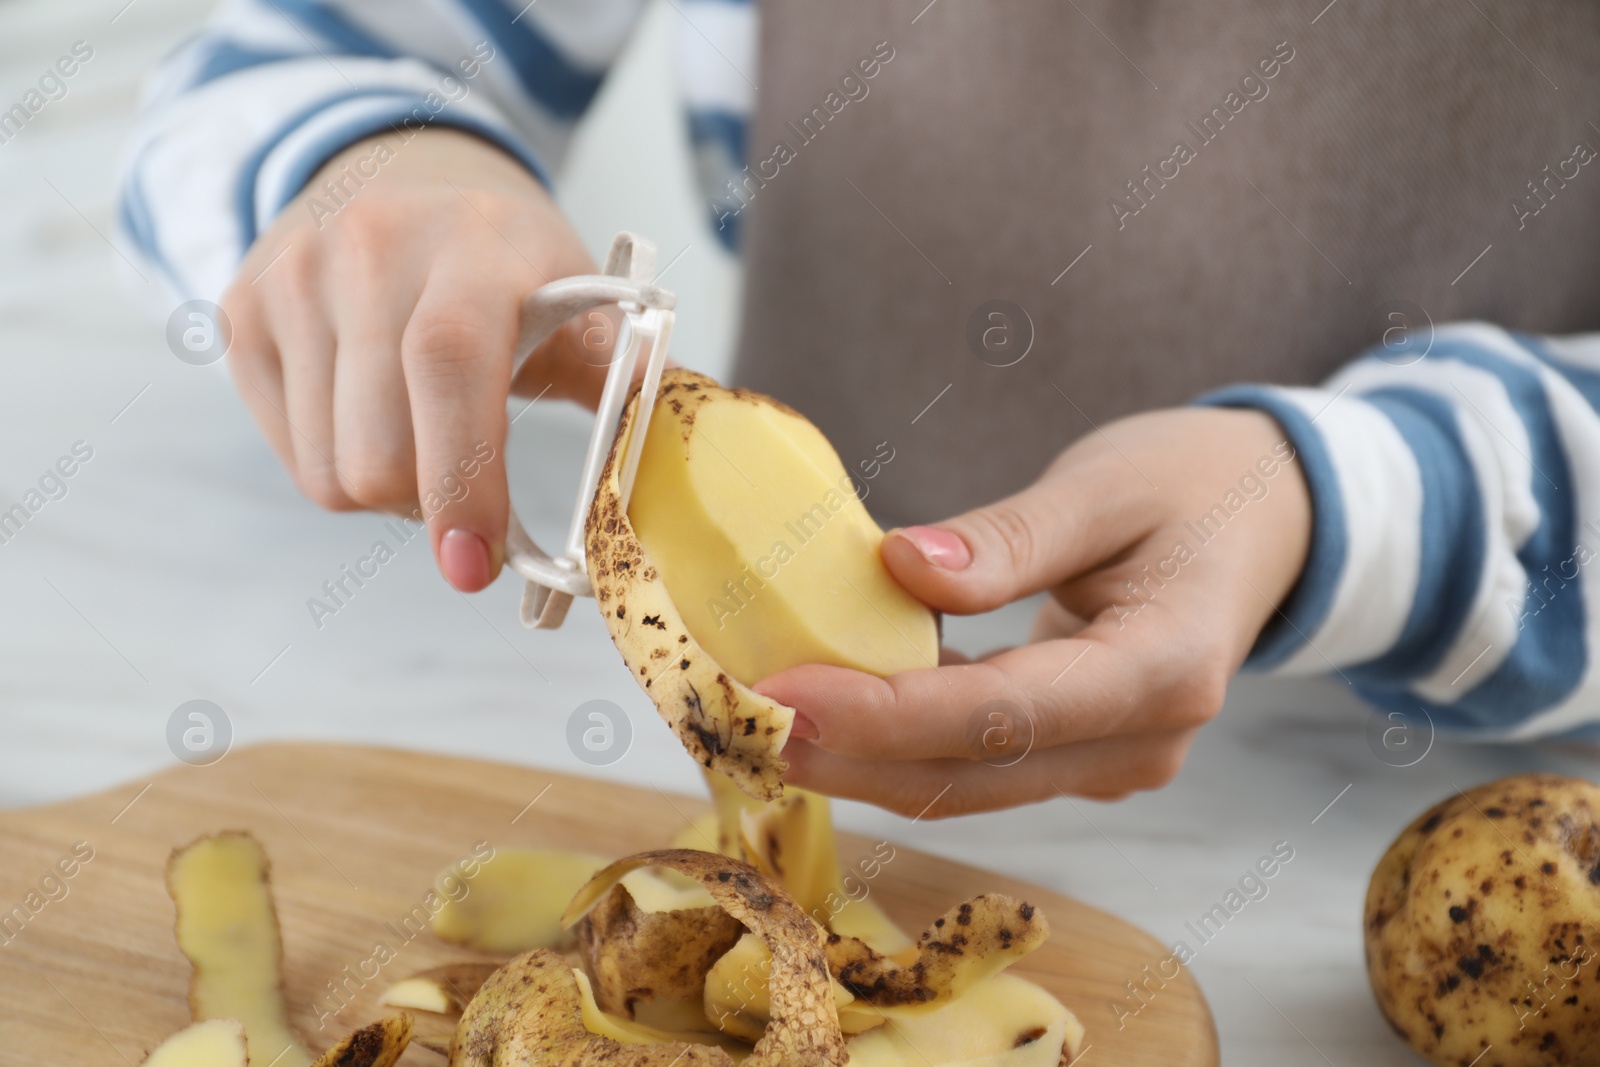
1167, 542
373, 334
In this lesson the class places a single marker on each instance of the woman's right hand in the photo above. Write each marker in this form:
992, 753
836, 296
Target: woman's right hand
373, 341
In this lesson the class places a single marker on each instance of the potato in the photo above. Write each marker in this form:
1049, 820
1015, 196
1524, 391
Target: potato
725, 725
1483, 926
762, 540
743, 550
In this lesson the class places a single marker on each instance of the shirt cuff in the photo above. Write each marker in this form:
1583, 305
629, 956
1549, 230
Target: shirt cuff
1354, 596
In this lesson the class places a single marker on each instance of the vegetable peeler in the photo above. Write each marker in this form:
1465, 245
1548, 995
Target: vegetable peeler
552, 581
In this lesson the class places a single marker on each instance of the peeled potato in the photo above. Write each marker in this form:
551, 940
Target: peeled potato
1483, 925
762, 540
715, 576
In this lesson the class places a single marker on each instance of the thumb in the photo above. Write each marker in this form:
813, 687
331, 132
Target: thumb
1026, 543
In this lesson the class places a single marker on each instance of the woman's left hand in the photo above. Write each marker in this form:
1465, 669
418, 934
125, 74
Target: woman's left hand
1167, 542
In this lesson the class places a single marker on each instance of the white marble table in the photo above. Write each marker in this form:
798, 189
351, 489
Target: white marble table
179, 563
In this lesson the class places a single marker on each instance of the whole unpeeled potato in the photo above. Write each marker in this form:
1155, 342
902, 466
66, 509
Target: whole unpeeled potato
1483, 926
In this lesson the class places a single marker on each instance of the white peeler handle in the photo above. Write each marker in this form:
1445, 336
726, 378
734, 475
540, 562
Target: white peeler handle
553, 581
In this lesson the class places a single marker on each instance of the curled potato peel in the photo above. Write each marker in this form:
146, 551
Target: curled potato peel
636, 955
724, 724
804, 1026
530, 1014
971, 942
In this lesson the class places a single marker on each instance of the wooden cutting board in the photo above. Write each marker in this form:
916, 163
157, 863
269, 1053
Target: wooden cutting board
90, 974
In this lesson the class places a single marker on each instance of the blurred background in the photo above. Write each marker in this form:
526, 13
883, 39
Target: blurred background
179, 563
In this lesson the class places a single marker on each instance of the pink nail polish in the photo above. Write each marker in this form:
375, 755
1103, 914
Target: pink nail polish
464, 558
939, 547
803, 729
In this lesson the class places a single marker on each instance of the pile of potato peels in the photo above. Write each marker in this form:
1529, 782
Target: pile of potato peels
751, 948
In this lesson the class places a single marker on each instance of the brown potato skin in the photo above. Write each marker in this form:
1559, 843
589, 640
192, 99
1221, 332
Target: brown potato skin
631, 955
380, 1044
530, 1012
1482, 926
804, 1031
725, 725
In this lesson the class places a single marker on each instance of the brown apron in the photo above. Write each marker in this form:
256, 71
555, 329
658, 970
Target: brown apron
1393, 145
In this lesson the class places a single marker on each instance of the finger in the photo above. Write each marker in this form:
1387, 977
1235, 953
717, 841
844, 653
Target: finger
375, 450
1107, 681
456, 354
936, 789
304, 339
1077, 515
306, 355
253, 363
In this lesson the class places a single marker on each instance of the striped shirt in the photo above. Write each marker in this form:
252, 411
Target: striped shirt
239, 117
1455, 477
1455, 484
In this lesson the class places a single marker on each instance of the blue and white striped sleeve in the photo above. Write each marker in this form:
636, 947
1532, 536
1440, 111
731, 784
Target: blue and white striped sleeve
1453, 563
237, 120
716, 74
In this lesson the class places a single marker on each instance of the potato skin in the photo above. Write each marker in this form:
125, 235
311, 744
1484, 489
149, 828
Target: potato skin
725, 725
1483, 926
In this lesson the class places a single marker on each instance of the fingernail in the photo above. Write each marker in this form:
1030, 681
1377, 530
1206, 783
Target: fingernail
939, 547
465, 559
803, 729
